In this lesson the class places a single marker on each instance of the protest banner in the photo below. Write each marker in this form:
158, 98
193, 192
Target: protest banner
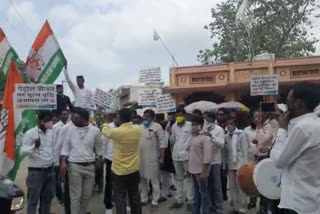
150, 75
148, 96
165, 104
264, 85
45, 60
35, 96
103, 99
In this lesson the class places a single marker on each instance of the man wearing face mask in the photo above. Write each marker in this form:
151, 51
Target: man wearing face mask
38, 145
216, 134
222, 117
236, 155
180, 136
82, 145
200, 148
152, 137
250, 133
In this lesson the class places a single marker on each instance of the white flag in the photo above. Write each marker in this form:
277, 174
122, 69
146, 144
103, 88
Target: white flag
241, 11
156, 36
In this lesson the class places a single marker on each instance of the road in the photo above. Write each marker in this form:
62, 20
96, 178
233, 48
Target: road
96, 204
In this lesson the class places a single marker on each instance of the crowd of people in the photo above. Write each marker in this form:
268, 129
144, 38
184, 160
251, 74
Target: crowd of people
148, 158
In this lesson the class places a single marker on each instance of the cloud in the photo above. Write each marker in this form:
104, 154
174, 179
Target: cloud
109, 41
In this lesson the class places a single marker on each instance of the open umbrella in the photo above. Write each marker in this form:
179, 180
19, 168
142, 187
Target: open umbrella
202, 106
234, 105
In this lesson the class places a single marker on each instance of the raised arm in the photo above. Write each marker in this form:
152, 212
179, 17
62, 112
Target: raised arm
66, 74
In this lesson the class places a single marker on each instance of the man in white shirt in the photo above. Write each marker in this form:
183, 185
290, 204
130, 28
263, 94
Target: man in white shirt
82, 95
216, 134
81, 145
297, 151
151, 138
180, 136
237, 150
38, 145
64, 117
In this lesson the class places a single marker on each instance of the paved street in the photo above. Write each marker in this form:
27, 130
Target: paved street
96, 204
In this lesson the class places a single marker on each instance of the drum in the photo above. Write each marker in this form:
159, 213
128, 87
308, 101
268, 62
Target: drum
245, 179
267, 179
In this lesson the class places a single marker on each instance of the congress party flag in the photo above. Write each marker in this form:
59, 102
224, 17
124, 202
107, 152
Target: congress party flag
46, 60
13, 124
7, 53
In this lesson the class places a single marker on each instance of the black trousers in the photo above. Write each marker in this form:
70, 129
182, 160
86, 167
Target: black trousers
67, 208
286, 211
108, 187
224, 182
99, 178
59, 193
123, 185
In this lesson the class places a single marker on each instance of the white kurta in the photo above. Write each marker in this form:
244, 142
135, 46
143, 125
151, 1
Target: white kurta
150, 142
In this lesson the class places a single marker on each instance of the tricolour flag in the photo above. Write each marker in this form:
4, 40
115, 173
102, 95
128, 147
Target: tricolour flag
7, 53
13, 124
7, 121
46, 60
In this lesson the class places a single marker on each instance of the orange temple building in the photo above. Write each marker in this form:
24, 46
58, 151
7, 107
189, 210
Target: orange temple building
231, 81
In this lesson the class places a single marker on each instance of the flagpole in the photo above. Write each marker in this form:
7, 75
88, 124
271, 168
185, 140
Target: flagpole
167, 49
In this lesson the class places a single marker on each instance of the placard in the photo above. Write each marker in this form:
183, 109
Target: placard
264, 85
35, 96
148, 96
165, 104
154, 84
103, 99
150, 75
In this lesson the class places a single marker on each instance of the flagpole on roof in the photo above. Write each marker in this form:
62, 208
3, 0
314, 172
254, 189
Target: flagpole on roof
156, 37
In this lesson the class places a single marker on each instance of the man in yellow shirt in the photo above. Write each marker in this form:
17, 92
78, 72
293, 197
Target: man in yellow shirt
126, 162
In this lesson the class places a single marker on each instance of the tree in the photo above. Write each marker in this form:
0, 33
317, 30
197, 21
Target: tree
278, 27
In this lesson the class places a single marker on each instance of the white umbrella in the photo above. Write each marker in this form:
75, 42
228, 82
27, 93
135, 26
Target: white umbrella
203, 106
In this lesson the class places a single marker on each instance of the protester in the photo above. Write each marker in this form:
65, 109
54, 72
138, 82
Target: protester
82, 95
64, 117
217, 138
222, 118
237, 150
125, 164
251, 133
297, 150
38, 145
181, 134
151, 139
197, 113
136, 119
166, 162
63, 101
263, 140
113, 122
81, 146
58, 147
200, 148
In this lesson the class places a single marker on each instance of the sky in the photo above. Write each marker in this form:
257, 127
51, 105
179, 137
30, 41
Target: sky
109, 41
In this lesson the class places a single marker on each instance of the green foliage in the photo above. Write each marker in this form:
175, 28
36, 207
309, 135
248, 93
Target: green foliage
279, 27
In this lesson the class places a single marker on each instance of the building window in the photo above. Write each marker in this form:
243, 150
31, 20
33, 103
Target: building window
202, 79
299, 73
